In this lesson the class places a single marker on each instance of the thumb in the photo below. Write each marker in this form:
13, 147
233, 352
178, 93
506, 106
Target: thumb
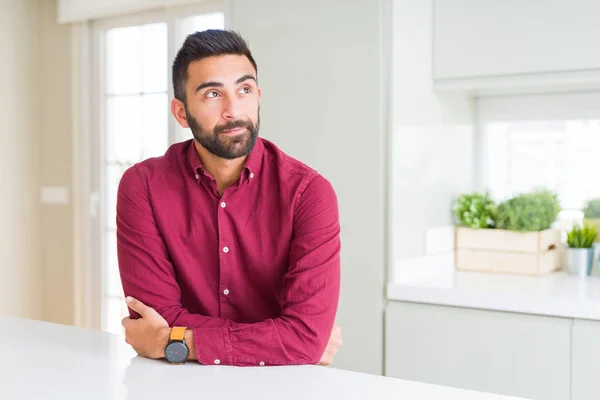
148, 313
137, 306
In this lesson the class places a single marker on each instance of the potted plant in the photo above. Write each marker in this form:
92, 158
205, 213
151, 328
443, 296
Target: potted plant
591, 215
517, 237
475, 210
580, 252
529, 212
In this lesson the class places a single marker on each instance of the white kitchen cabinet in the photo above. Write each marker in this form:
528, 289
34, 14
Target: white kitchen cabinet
506, 353
585, 359
475, 40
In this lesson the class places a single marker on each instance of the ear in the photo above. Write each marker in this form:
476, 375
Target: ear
178, 111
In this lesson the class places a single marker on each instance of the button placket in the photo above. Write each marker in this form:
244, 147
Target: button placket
225, 248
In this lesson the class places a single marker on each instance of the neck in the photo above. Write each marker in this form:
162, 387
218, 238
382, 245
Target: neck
225, 172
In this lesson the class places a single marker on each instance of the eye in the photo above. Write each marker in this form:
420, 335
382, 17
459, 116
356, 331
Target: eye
211, 94
245, 90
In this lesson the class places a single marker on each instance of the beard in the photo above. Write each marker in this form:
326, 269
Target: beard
226, 146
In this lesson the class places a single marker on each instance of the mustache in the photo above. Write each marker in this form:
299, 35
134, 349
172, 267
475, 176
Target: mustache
234, 125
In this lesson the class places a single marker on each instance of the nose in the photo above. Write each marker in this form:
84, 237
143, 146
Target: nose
233, 108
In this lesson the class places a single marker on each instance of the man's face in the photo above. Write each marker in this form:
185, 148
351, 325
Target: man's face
222, 107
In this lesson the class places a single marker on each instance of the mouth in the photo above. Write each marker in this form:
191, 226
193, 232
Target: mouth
234, 131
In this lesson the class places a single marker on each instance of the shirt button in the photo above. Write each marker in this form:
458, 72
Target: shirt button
226, 292
226, 249
262, 364
252, 175
196, 176
223, 205
217, 361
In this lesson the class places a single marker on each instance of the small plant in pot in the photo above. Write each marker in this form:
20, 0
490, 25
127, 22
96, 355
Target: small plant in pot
580, 252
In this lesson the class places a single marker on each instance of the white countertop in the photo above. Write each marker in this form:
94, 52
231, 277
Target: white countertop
49, 361
433, 280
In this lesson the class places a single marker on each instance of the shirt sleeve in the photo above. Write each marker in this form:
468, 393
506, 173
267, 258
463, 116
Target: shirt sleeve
310, 287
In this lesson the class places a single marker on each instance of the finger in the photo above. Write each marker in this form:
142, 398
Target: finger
338, 336
147, 312
336, 341
336, 331
331, 350
137, 306
125, 322
326, 360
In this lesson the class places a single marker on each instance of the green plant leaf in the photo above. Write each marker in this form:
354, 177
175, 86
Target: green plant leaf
527, 212
592, 208
581, 237
475, 210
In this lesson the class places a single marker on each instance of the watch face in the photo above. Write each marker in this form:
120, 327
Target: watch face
176, 352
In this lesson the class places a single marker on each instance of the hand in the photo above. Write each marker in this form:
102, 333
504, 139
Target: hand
149, 334
335, 341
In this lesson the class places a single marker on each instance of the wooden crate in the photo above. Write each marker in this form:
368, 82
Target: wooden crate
503, 251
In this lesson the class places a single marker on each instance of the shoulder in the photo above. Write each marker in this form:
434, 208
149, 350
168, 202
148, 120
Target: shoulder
173, 158
175, 155
162, 167
312, 185
286, 164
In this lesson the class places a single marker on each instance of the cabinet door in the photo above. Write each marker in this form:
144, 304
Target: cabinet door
491, 38
586, 356
504, 353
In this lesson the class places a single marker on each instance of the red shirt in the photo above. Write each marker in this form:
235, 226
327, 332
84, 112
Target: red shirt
255, 273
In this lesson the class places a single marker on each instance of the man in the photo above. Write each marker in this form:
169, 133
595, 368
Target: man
229, 250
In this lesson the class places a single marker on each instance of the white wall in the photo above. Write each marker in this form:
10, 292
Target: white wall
320, 69
432, 135
20, 292
55, 138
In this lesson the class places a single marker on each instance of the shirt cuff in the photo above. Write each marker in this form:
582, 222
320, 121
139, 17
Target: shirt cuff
212, 345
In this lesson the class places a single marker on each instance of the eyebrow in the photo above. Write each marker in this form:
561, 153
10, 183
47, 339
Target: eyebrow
219, 84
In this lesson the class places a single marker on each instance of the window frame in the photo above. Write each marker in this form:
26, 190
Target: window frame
528, 107
89, 150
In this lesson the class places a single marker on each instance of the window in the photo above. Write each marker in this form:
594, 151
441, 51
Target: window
134, 121
550, 141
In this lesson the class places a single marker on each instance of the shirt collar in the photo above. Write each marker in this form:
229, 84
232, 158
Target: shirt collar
194, 159
251, 167
254, 160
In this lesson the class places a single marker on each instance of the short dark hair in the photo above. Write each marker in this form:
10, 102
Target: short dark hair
203, 44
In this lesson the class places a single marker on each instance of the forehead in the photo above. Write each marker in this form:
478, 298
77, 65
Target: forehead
225, 69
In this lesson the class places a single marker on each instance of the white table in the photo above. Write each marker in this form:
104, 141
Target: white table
48, 361
434, 280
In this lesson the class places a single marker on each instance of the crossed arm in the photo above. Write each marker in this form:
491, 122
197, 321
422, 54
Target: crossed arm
300, 335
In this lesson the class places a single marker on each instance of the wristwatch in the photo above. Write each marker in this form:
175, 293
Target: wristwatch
177, 351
